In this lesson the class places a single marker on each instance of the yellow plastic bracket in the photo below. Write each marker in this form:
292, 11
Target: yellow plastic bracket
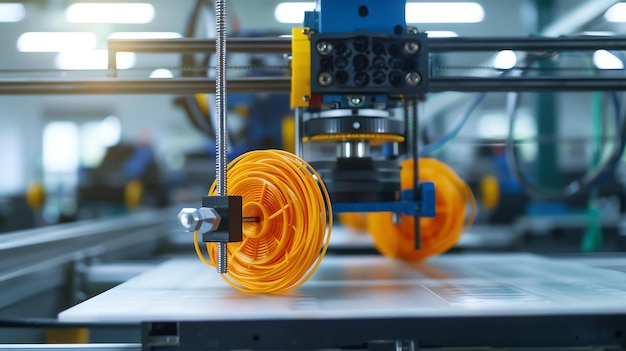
300, 68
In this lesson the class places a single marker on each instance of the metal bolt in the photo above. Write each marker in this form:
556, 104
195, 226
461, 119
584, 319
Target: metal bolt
396, 218
325, 79
413, 78
324, 47
411, 47
356, 100
204, 218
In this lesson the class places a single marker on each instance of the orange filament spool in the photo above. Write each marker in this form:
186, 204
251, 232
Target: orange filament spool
440, 233
284, 248
355, 221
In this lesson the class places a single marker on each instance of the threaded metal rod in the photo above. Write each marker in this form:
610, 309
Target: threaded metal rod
222, 258
221, 147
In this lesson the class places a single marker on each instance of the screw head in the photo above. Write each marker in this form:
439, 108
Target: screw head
411, 47
324, 47
356, 100
413, 78
325, 79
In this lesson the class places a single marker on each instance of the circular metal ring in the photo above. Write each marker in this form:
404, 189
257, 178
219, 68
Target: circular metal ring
353, 125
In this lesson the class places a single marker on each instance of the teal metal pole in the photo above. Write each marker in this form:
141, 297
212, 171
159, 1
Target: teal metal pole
547, 171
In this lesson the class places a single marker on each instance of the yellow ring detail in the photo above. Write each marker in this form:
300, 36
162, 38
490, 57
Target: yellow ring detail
374, 138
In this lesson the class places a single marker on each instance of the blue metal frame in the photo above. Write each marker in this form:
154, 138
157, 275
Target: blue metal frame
347, 16
407, 205
341, 16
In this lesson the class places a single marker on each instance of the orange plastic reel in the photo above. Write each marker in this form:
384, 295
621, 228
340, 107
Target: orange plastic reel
281, 250
356, 222
440, 233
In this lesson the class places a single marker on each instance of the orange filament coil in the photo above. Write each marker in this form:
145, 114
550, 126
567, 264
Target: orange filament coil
439, 234
284, 248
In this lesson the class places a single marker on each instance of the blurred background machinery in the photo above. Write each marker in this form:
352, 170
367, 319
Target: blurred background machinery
108, 122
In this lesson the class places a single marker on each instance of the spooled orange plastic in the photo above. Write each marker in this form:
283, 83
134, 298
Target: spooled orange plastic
282, 250
440, 233
355, 221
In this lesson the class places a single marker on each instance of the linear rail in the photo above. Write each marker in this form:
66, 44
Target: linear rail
435, 45
283, 85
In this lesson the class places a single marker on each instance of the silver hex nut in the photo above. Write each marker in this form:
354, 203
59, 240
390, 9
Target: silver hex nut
189, 219
210, 219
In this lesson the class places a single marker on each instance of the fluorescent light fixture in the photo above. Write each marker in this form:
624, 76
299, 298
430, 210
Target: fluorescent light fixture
617, 13
110, 131
441, 34
61, 145
12, 12
55, 41
606, 60
92, 60
145, 35
444, 12
505, 59
161, 73
292, 12
110, 13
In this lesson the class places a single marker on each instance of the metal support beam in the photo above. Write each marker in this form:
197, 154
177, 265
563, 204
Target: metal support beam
188, 45
435, 45
546, 110
140, 86
574, 43
283, 85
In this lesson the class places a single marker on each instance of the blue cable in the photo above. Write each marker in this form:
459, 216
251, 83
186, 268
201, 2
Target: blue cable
446, 138
594, 177
441, 142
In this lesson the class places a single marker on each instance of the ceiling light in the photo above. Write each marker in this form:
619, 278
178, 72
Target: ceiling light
617, 13
441, 34
444, 12
55, 41
292, 12
12, 12
145, 35
92, 60
110, 131
603, 59
61, 145
110, 13
505, 59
